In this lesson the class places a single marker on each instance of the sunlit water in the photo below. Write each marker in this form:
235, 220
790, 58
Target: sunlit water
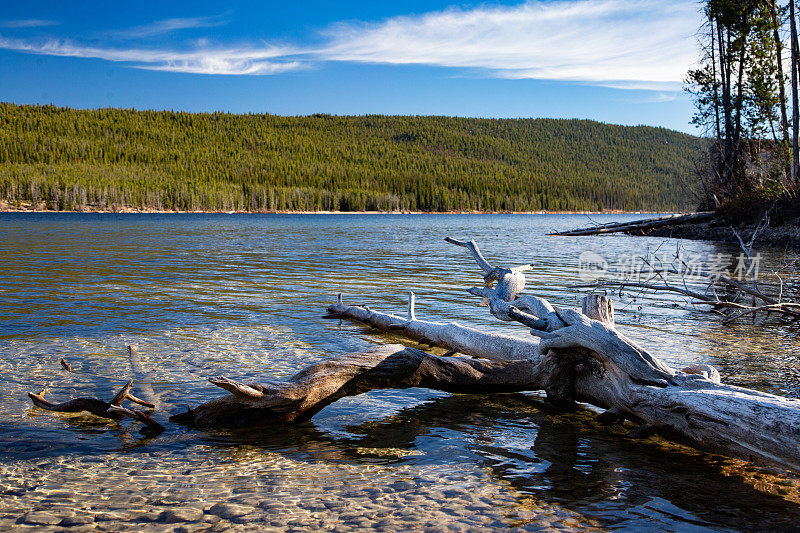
242, 296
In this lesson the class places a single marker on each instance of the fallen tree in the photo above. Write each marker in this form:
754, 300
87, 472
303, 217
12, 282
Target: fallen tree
575, 356
721, 292
650, 223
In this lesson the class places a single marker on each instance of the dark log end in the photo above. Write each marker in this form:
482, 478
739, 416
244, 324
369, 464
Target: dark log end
186, 417
150, 424
611, 416
642, 432
560, 385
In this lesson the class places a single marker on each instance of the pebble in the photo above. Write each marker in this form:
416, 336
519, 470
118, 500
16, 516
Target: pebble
147, 528
229, 510
190, 528
335, 504
402, 486
180, 514
281, 494
82, 529
40, 518
109, 517
72, 521
246, 519
269, 505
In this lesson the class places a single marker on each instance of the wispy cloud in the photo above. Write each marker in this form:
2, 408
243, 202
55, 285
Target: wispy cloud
601, 41
226, 61
161, 27
27, 23
624, 44
660, 98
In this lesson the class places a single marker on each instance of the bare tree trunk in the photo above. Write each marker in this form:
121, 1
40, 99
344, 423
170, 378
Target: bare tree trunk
795, 105
781, 81
714, 76
725, 79
736, 144
737, 129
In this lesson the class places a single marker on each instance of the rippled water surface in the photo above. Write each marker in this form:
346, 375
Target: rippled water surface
242, 296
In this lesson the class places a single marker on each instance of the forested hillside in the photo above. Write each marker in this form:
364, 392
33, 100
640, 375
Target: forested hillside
109, 158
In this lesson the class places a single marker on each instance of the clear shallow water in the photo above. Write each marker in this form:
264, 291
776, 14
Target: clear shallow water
242, 296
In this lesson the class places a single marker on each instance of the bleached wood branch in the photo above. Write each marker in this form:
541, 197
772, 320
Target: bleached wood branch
447, 335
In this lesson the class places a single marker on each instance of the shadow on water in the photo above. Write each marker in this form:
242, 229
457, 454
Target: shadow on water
85, 435
552, 456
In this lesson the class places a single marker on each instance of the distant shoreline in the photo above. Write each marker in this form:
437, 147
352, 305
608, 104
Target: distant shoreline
5, 208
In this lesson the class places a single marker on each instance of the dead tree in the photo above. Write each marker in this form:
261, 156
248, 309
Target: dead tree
722, 293
638, 225
573, 356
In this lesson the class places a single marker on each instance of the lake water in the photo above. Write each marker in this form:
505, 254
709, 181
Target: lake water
242, 296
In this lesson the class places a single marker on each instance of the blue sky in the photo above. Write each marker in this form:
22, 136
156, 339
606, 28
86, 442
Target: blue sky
618, 61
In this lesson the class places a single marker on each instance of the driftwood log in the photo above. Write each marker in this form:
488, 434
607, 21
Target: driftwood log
650, 223
573, 356
111, 409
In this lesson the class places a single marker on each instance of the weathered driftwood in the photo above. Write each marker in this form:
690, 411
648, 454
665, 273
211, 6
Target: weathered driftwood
388, 367
579, 357
618, 227
112, 409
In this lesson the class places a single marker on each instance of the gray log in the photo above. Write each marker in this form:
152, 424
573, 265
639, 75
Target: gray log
617, 227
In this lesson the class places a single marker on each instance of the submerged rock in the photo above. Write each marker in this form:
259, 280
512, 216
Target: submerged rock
180, 514
40, 518
229, 510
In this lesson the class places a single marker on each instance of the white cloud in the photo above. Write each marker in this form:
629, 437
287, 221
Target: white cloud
226, 61
623, 44
620, 43
27, 23
167, 26
659, 98
636, 85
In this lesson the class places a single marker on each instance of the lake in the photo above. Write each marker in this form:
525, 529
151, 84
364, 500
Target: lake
200, 295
